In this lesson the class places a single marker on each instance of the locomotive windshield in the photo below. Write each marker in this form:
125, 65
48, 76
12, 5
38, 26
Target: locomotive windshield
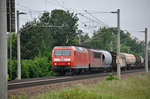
64, 52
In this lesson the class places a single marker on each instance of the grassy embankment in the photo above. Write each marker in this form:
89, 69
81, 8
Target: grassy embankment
137, 87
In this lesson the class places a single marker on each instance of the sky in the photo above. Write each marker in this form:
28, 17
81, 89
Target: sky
134, 14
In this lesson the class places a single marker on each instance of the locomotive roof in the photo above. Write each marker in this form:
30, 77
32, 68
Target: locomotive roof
95, 50
75, 47
64, 46
98, 50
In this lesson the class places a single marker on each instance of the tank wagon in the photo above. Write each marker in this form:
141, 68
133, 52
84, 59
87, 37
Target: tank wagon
127, 61
79, 60
107, 58
123, 63
129, 58
139, 63
142, 60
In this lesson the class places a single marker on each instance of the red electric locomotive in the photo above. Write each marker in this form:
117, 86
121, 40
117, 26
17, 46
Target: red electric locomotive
69, 59
95, 59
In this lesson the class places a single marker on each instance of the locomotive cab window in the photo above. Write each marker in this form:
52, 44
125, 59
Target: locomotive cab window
64, 52
97, 55
58, 52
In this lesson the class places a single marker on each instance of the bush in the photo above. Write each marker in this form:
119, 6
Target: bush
111, 77
42, 66
38, 67
14, 68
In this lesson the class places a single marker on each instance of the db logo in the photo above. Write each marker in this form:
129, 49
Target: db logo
61, 59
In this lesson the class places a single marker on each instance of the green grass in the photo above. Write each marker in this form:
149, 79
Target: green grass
137, 87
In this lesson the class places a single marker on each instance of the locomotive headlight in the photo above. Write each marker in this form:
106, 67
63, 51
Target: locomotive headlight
55, 63
68, 63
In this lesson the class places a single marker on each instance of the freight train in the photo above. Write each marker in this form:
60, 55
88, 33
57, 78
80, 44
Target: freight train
76, 60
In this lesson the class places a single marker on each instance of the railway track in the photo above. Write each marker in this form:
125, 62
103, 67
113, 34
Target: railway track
51, 80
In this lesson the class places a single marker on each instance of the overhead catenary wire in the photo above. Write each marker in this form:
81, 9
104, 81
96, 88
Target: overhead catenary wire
88, 40
90, 19
96, 21
33, 25
135, 36
61, 5
27, 8
100, 22
67, 5
104, 24
97, 12
29, 11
